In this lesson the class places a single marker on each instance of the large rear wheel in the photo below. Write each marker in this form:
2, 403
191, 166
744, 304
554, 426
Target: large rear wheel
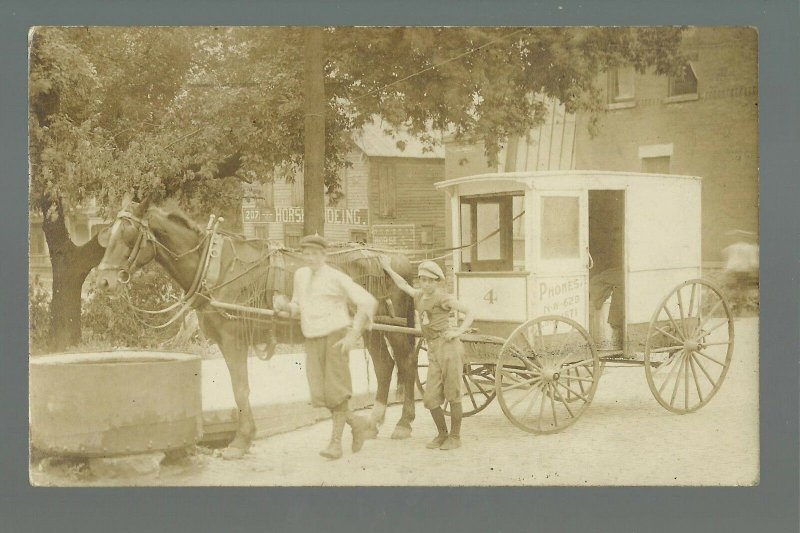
689, 346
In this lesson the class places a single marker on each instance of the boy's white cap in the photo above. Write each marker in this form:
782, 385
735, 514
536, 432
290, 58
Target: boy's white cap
429, 269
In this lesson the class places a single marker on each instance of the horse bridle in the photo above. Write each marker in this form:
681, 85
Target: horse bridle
143, 235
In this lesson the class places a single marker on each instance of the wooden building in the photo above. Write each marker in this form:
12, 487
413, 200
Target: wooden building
388, 197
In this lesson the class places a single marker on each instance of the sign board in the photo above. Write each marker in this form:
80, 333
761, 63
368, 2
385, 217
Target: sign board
562, 295
291, 215
394, 236
495, 298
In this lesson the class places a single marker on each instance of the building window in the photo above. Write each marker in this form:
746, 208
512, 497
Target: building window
620, 85
656, 165
685, 84
387, 191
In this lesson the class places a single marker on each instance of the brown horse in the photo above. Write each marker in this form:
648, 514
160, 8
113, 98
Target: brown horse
250, 274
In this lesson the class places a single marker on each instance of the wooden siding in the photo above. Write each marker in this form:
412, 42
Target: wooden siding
416, 200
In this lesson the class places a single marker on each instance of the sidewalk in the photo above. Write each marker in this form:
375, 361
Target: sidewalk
278, 394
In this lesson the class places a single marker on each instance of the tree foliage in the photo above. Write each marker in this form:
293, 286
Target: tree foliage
189, 113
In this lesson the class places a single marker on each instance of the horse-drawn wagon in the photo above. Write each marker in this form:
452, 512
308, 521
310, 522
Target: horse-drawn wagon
567, 272
571, 271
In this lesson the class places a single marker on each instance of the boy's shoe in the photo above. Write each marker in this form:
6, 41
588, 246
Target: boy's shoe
440, 439
451, 443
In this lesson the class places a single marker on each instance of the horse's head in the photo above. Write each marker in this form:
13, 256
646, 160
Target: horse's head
129, 245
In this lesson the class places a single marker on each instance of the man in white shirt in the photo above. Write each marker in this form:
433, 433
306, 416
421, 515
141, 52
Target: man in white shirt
320, 297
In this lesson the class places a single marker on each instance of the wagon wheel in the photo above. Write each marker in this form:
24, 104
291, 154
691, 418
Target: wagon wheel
543, 361
478, 385
479, 390
689, 346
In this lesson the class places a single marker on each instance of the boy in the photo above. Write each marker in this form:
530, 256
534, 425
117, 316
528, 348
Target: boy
434, 304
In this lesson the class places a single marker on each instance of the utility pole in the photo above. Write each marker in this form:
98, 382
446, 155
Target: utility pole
314, 133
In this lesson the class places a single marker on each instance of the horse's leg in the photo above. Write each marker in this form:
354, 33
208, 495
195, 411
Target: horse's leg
406, 359
235, 353
384, 365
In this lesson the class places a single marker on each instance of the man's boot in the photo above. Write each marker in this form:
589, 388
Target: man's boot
334, 449
454, 440
441, 424
361, 428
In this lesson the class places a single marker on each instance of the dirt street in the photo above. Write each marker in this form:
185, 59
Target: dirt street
624, 438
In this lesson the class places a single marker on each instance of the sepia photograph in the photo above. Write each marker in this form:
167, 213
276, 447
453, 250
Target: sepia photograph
393, 256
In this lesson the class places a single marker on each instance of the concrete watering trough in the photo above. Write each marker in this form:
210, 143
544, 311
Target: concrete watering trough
114, 403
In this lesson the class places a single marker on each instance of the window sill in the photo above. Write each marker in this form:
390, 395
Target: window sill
681, 98
625, 104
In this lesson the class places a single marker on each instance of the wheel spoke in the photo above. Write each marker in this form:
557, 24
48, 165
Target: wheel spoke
660, 367
483, 391
541, 408
691, 299
561, 399
553, 406
670, 335
514, 376
578, 364
698, 352
716, 343
469, 390
667, 349
677, 380
577, 378
710, 314
708, 376
709, 331
672, 320
683, 314
520, 384
686, 382
521, 398
533, 402
669, 375
696, 381
581, 396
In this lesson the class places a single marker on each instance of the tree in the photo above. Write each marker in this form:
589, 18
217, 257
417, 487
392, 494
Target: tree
189, 113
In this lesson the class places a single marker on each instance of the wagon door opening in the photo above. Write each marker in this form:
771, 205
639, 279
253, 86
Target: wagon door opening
607, 272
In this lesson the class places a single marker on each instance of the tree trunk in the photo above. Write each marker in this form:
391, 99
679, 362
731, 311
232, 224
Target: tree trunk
71, 264
314, 134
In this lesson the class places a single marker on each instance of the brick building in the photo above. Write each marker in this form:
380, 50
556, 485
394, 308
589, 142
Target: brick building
388, 198
704, 124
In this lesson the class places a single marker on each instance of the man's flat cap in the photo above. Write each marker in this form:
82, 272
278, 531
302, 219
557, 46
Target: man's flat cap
314, 241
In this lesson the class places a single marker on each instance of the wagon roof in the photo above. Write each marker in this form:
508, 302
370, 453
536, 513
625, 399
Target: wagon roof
527, 178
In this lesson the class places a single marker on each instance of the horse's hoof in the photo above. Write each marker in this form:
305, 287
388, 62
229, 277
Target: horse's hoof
231, 453
371, 433
401, 432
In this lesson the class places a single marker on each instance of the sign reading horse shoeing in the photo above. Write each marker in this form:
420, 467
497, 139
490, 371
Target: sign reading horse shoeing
333, 215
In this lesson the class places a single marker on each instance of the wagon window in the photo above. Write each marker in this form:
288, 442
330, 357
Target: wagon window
487, 233
488, 248
560, 227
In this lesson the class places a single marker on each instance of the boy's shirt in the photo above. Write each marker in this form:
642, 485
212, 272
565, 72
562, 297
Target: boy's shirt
434, 312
